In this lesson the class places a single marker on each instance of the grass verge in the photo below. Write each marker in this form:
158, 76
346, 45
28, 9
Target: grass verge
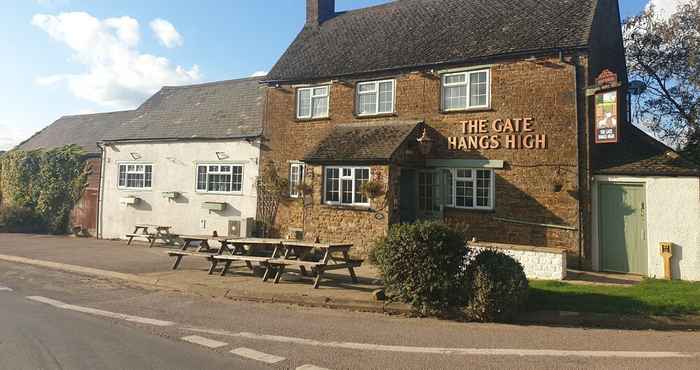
650, 297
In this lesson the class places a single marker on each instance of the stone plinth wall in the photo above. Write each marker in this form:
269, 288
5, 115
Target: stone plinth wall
539, 263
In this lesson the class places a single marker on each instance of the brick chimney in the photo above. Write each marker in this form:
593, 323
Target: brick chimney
318, 11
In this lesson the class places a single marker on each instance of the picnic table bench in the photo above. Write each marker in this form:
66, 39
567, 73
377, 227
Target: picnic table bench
296, 253
161, 233
248, 250
204, 250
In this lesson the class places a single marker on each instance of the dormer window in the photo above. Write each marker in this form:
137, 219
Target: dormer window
375, 97
466, 90
312, 102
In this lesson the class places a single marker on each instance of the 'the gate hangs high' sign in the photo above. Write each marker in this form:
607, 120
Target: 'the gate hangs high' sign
510, 133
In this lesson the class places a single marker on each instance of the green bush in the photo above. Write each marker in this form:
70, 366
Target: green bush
423, 264
21, 220
497, 287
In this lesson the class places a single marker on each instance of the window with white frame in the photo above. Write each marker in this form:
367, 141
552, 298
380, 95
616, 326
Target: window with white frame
312, 102
343, 185
296, 178
135, 176
466, 90
469, 188
219, 178
375, 97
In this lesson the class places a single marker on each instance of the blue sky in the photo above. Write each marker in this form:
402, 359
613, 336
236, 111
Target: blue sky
72, 57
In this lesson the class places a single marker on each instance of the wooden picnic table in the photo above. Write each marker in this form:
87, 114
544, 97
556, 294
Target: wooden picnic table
297, 253
203, 249
248, 250
161, 233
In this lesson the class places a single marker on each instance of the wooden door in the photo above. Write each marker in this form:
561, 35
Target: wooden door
622, 228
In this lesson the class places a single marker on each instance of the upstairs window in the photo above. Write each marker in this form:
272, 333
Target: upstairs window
376, 97
219, 178
343, 185
296, 178
312, 102
470, 188
135, 176
466, 90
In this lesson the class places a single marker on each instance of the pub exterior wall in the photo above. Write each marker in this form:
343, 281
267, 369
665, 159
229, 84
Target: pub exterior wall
174, 170
544, 90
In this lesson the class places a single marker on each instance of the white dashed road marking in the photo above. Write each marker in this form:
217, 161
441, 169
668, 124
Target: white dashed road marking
206, 342
451, 351
5, 289
258, 356
310, 367
93, 311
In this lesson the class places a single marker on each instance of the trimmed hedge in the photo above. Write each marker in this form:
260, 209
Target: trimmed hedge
423, 264
21, 220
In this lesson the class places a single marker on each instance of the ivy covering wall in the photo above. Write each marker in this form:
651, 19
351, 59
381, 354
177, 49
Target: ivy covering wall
47, 183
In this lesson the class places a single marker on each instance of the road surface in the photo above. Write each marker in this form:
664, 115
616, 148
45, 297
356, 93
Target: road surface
52, 320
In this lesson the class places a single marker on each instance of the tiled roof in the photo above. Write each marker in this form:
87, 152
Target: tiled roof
82, 130
367, 142
414, 33
217, 110
641, 155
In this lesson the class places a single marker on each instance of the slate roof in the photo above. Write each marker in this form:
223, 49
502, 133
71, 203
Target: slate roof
82, 130
218, 110
414, 33
366, 142
641, 155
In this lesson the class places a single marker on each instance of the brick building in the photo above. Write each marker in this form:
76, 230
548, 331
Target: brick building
478, 112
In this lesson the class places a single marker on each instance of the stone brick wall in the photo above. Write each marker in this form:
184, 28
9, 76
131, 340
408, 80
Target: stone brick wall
544, 90
538, 263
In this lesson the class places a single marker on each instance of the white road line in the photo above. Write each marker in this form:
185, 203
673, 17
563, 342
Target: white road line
451, 351
206, 342
93, 311
5, 289
258, 356
310, 367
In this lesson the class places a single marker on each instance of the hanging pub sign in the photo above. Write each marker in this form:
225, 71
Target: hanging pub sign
607, 107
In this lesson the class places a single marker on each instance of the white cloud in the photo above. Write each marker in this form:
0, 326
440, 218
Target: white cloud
166, 33
117, 75
11, 135
666, 8
259, 74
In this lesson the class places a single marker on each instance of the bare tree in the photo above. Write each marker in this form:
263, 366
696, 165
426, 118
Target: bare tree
665, 54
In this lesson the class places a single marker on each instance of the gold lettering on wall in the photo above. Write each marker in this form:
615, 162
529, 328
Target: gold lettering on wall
509, 133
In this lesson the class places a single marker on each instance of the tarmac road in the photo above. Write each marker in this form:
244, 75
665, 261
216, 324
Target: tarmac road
51, 319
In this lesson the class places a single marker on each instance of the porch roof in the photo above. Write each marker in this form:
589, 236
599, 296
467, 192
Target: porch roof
366, 142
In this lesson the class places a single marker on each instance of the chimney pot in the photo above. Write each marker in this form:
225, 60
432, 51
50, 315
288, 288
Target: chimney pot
318, 11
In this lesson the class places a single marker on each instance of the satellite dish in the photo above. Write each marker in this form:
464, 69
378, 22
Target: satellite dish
637, 87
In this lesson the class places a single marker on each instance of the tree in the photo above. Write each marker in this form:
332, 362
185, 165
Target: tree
665, 54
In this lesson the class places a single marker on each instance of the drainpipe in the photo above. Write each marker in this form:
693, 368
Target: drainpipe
101, 192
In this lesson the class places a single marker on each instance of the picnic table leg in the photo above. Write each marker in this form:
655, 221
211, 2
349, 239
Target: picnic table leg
213, 263
177, 262
268, 270
153, 241
226, 267
280, 271
350, 268
131, 238
319, 269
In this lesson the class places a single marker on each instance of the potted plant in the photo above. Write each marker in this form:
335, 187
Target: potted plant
372, 189
304, 189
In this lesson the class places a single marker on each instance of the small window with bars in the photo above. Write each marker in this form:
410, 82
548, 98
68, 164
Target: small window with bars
135, 176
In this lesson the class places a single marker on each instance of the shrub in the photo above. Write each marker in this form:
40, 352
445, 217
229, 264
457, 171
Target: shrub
21, 220
497, 287
423, 264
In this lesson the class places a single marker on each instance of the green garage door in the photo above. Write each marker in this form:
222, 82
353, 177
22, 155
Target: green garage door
622, 228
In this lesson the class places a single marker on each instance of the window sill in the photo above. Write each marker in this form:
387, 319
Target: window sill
237, 194
380, 115
319, 119
469, 110
340, 207
129, 190
470, 210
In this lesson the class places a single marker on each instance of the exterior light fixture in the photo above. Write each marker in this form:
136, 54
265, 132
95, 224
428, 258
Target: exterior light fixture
425, 143
135, 156
221, 156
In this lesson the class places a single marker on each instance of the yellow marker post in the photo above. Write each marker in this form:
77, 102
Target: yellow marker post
667, 254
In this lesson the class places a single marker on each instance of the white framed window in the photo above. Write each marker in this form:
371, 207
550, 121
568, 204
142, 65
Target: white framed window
343, 185
296, 178
312, 102
220, 178
135, 176
376, 97
466, 90
469, 188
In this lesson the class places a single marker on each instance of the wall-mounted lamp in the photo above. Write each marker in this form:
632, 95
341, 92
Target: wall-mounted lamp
135, 156
221, 156
425, 143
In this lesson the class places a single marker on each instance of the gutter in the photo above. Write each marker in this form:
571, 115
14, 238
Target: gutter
101, 192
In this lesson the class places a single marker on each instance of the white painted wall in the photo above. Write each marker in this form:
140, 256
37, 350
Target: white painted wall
673, 215
538, 263
174, 169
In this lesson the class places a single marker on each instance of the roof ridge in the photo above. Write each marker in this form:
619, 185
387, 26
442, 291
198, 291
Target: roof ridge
94, 114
